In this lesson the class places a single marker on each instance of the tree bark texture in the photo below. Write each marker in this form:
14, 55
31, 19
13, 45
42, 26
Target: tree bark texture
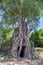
22, 41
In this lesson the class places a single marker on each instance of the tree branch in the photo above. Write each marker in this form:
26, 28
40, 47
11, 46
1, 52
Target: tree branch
18, 6
13, 11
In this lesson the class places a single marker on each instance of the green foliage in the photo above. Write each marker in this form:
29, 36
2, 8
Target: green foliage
6, 43
30, 10
37, 38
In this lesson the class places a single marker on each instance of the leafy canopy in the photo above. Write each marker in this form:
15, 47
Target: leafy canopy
30, 11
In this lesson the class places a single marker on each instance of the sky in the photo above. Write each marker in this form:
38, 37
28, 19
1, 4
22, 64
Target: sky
41, 23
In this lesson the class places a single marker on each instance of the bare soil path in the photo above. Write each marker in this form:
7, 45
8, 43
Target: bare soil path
22, 62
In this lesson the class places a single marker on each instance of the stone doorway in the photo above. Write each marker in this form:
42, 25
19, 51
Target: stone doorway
22, 51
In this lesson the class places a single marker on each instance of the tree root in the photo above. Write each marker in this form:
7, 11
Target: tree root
20, 47
19, 42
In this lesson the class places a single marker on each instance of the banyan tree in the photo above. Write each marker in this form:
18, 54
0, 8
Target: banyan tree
21, 45
23, 14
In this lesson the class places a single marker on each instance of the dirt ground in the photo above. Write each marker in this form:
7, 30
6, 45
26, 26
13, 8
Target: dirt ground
22, 62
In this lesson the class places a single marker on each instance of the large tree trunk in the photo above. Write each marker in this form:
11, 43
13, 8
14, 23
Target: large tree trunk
21, 47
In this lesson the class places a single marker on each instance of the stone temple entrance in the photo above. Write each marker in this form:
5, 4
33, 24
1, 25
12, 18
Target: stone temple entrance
22, 52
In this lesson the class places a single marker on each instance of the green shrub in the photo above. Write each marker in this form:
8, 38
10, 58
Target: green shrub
6, 43
37, 38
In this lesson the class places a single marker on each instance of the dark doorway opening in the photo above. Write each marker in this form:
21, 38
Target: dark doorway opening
22, 52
